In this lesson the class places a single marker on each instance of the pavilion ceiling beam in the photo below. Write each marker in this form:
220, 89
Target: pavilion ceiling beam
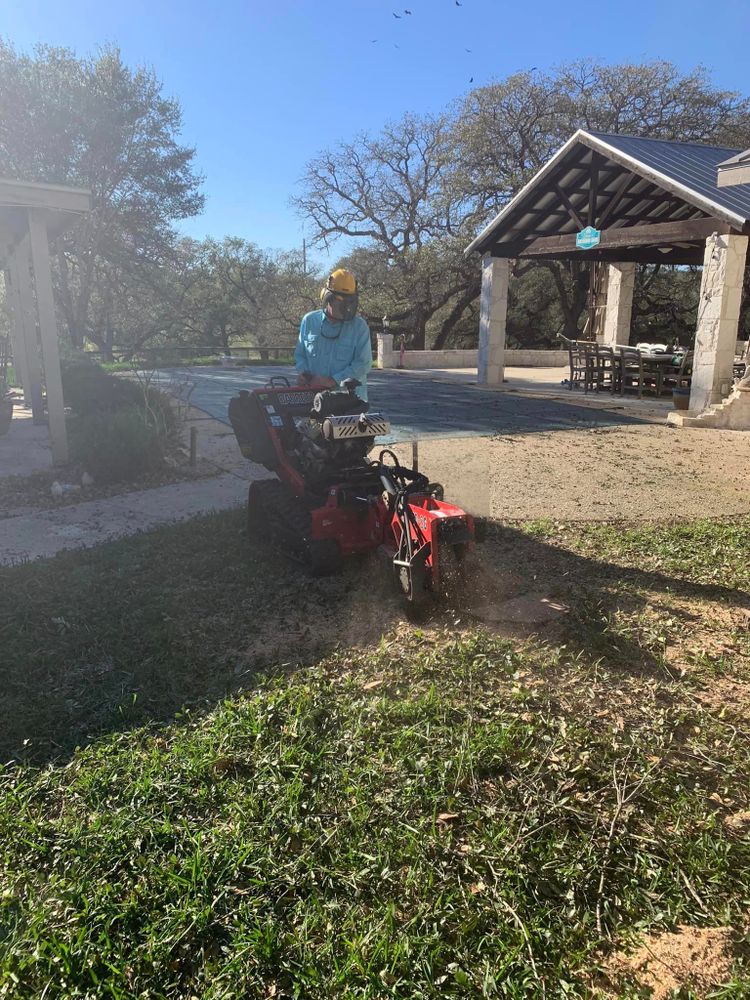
625, 236
667, 207
639, 255
643, 202
657, 200
594, 187
569, 207
619, 194
663, 204
574, 213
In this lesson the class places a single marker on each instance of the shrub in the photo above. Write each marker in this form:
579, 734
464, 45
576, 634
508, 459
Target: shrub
121, 428
117, 446
87, 389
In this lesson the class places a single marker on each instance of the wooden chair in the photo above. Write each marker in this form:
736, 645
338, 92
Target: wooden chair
653, 375
588, 356
578, 364
604, 374
630, 370
682, 375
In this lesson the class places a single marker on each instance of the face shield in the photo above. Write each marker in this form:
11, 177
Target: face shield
340, 307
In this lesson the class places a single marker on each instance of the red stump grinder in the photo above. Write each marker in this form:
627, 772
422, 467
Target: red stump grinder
331, 500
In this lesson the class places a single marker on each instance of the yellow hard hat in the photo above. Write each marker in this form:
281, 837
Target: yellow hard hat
341, 281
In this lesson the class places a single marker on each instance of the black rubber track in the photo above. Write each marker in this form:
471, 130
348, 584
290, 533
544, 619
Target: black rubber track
274, 512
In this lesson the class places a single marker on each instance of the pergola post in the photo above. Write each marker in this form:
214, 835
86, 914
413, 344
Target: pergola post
25, 311
17, 342
385, 350
718, 319
619, 308
48, 335
493, 312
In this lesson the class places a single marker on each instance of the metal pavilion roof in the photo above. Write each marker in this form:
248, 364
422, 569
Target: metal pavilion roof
687, 163
617, 181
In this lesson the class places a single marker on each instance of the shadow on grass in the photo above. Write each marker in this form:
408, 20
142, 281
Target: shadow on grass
618, 613
135, 630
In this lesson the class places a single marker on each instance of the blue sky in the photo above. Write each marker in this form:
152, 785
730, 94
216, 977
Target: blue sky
264, 86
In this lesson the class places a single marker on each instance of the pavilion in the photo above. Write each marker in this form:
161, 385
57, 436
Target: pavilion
627, 200
30, 215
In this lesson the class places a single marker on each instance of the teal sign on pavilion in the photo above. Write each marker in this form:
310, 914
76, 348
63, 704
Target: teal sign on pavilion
588, 238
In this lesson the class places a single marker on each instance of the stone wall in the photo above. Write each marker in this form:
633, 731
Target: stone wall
733, 414
388, 357
438, 359
535, 359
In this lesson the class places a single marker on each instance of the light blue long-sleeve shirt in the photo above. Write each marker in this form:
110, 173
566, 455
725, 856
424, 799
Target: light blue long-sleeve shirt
336, 350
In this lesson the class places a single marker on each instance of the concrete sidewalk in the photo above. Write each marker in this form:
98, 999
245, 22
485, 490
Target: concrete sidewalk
44, 534
30, 535
25, 449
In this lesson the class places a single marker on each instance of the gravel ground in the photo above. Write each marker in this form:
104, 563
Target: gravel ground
642, 472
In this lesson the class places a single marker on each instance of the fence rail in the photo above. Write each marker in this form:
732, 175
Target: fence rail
128, 354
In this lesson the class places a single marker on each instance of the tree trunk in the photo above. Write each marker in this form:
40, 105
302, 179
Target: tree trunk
572, 300
109, 339
464, 301
66, 301
419, 329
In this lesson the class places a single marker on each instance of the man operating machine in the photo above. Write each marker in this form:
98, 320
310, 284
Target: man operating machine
334, 342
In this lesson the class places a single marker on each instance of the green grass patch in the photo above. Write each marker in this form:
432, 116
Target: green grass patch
705, 551
259, 808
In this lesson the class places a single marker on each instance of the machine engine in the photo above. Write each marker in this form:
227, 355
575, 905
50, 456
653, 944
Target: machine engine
337, 435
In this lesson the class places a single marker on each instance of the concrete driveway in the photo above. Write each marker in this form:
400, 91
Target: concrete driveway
430, 404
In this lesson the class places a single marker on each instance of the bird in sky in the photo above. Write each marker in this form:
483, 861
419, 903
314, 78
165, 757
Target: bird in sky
372, 41
459, 4
407, 12
471, 79
468, 50
397, 16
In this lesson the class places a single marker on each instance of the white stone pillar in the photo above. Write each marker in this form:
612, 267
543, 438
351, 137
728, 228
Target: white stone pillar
493, 312
25, 312
385, 350
48, 334
620, 285
718, 319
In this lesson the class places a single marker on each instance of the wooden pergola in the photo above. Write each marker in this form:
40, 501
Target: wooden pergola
30, 215
649, 201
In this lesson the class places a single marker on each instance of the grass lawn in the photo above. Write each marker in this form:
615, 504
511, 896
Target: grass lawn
226, 780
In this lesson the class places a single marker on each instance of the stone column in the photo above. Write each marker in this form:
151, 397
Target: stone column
493, 313
48, 335
718, 319
620, 285
385, 350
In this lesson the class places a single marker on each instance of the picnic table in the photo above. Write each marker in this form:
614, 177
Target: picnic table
645, 367
598, 366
